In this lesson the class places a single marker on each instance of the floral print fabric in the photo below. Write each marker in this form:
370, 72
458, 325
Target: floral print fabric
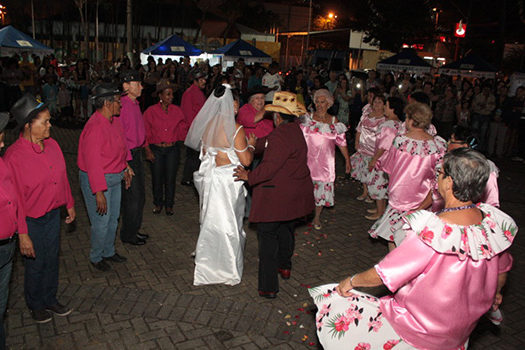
389, 226
323, 194
352, 323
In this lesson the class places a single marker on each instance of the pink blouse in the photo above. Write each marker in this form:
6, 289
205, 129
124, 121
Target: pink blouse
410, 165
246, 118
40, 176
164, 126
12, 216
439, 296
367, 139
321, 139
387, 131
101, 150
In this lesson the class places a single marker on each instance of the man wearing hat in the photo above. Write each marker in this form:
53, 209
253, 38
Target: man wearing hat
192, 101
282, 191
272, 81
102, 153
40, 176
251, 115
133, 198
12, 220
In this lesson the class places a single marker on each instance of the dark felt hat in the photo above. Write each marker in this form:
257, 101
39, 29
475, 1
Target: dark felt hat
26, 108
4, 119
129, 76
197, 74
254, 91
105, 90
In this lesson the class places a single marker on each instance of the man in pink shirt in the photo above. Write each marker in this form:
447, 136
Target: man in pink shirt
12, 219
101, 158
192, 101
251, 115
133, 198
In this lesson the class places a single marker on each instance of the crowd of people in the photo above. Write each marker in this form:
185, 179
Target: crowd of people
261, 143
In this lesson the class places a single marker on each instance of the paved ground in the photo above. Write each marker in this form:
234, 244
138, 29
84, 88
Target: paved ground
150, 302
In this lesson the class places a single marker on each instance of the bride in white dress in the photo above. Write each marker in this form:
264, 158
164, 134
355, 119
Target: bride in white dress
223, 146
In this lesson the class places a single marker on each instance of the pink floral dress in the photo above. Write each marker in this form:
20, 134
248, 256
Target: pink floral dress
442, 277
410, 166
386, 132
367, 140
321, 139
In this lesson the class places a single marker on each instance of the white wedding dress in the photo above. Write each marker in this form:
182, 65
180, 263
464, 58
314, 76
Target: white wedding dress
219, 252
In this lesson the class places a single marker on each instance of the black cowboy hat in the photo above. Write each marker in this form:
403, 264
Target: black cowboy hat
129, 76
254, 91
26, 108
105, 90
197, 74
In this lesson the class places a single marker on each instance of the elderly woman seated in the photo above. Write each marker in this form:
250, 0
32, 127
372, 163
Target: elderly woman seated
447, 272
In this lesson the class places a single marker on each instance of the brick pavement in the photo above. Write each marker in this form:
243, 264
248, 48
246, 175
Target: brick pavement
150, 302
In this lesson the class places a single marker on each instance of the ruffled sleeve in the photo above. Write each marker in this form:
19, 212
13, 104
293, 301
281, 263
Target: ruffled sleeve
482, 241
386, 136
340, 139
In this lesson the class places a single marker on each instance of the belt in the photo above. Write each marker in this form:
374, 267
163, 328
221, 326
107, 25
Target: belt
164, 144
8, 240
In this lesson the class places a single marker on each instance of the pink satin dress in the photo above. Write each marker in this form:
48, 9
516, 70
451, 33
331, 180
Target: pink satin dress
410, 165
367, 141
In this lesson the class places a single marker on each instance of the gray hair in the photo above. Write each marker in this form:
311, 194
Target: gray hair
469, 171
326, 94
98, 102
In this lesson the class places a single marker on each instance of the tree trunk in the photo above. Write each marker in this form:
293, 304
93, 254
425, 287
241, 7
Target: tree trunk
129, 19
97, 47
82, 20
86, 30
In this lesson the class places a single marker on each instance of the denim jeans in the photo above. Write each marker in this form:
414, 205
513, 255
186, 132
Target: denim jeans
41, 272
103, 227
133, 199
163, 174
6, 265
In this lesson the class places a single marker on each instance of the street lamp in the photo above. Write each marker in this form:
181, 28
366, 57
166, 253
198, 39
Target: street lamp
2, 13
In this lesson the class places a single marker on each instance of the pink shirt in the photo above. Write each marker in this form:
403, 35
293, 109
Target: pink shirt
410, 165
101, 150
132, 124
437, 298
321, 139
367, 139
164, 126
246, 118
387, 131
12, 216
40, 176
192, 101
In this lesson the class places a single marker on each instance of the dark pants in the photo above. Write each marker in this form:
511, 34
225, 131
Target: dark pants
480, 125
133, 199
276, 246
191, 164
41, 273
163, 174
6, 265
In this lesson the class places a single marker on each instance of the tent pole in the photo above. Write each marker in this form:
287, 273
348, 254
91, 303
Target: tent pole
32, 19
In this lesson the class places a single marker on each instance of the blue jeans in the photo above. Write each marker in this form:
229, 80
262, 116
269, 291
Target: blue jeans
6, 265
163, 173
103, 227
41, 272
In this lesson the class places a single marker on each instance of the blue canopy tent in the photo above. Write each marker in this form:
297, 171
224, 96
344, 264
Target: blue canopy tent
470, 66
405, 61
14, 41
241, 49
173, 46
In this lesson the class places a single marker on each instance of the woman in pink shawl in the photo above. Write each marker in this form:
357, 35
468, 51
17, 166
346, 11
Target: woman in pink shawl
448, 272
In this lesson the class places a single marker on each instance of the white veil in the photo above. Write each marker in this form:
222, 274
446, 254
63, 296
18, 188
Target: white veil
214, 125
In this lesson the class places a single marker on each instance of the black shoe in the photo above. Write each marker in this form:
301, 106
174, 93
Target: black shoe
116, 258
59, 309
143, 236
268, 295
138, 241
41, 316
186, 183
101, 265
169, 211
157, 210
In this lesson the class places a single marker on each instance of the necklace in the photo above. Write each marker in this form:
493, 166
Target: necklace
446, 210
